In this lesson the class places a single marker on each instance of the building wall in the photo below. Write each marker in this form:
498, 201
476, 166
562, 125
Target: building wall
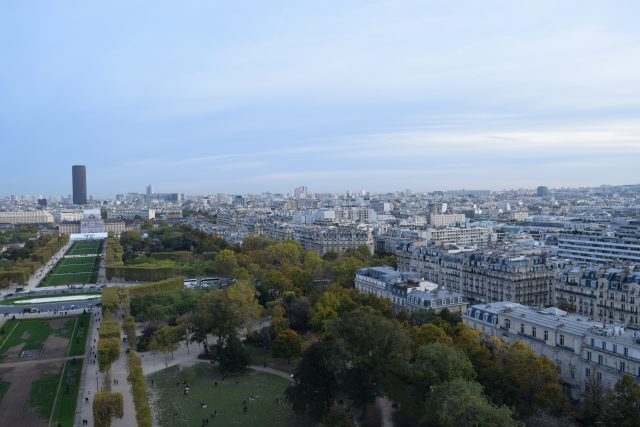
26, 217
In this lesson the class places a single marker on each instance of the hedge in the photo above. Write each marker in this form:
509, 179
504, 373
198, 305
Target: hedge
169, 285
129, 328
109, 329
139, 390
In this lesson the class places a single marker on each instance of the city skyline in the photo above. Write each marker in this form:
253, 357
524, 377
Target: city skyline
335, 97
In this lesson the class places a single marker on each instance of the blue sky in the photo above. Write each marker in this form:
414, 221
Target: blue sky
250, 96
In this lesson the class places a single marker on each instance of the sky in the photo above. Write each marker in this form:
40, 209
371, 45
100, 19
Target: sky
206, 97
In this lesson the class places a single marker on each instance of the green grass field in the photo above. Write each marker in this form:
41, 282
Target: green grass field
71, 271
78, 342
42, 394
175, 408
33, 333
85, 248
65, 409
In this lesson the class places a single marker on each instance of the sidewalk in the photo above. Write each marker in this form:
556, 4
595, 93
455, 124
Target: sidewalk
90, 376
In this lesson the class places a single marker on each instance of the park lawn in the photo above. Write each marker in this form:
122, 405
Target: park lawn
84, 248
4, 386
227, 398
37, 331
79, 268
42, 394
65, 410
78, 342
70, 279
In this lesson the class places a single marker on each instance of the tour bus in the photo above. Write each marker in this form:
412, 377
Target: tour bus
190, 283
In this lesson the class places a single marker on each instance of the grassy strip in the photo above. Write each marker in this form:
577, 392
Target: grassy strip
78, 342
4, 386
65, 409
42, 394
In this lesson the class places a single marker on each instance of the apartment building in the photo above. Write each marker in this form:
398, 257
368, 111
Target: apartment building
484, 275
599, 247
26, 217
606, 294
462, 236
581, 348
407, 291
339, 239
445, 219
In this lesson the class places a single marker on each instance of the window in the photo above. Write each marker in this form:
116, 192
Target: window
593, 342
546, 335
572, 374
600, 359
589, 356
507, 323
444, 301
626, 351
599, 375
452, 300
604, 345
587, 372
615, 348
522, 328
622, 367
533, 332
561, 339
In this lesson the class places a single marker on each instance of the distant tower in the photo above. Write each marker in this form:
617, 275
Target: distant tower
149, 190
542, 191
79, 173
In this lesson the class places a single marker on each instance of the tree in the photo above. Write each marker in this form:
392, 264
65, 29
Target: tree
231, 355
278, 281
622, 404
156, 313
165, 340
430, 333
460, 403
437, 363
108, 352
225, 262
372, 346
298, 312
107, 406
315, 384
287, 345
279, 323
520, 379
185, 326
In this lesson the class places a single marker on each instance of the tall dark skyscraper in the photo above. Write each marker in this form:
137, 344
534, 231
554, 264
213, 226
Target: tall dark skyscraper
79, 184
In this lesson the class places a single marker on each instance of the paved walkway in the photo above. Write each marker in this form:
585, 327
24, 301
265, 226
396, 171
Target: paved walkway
119, 374
42, 272
90, 379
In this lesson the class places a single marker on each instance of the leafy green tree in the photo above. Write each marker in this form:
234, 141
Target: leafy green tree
165, 340
107, 406
460, 403
287, 345
622, 403
437, 363
108, 352
225, 262
372, 346
315, 383
344, 271
430, 333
